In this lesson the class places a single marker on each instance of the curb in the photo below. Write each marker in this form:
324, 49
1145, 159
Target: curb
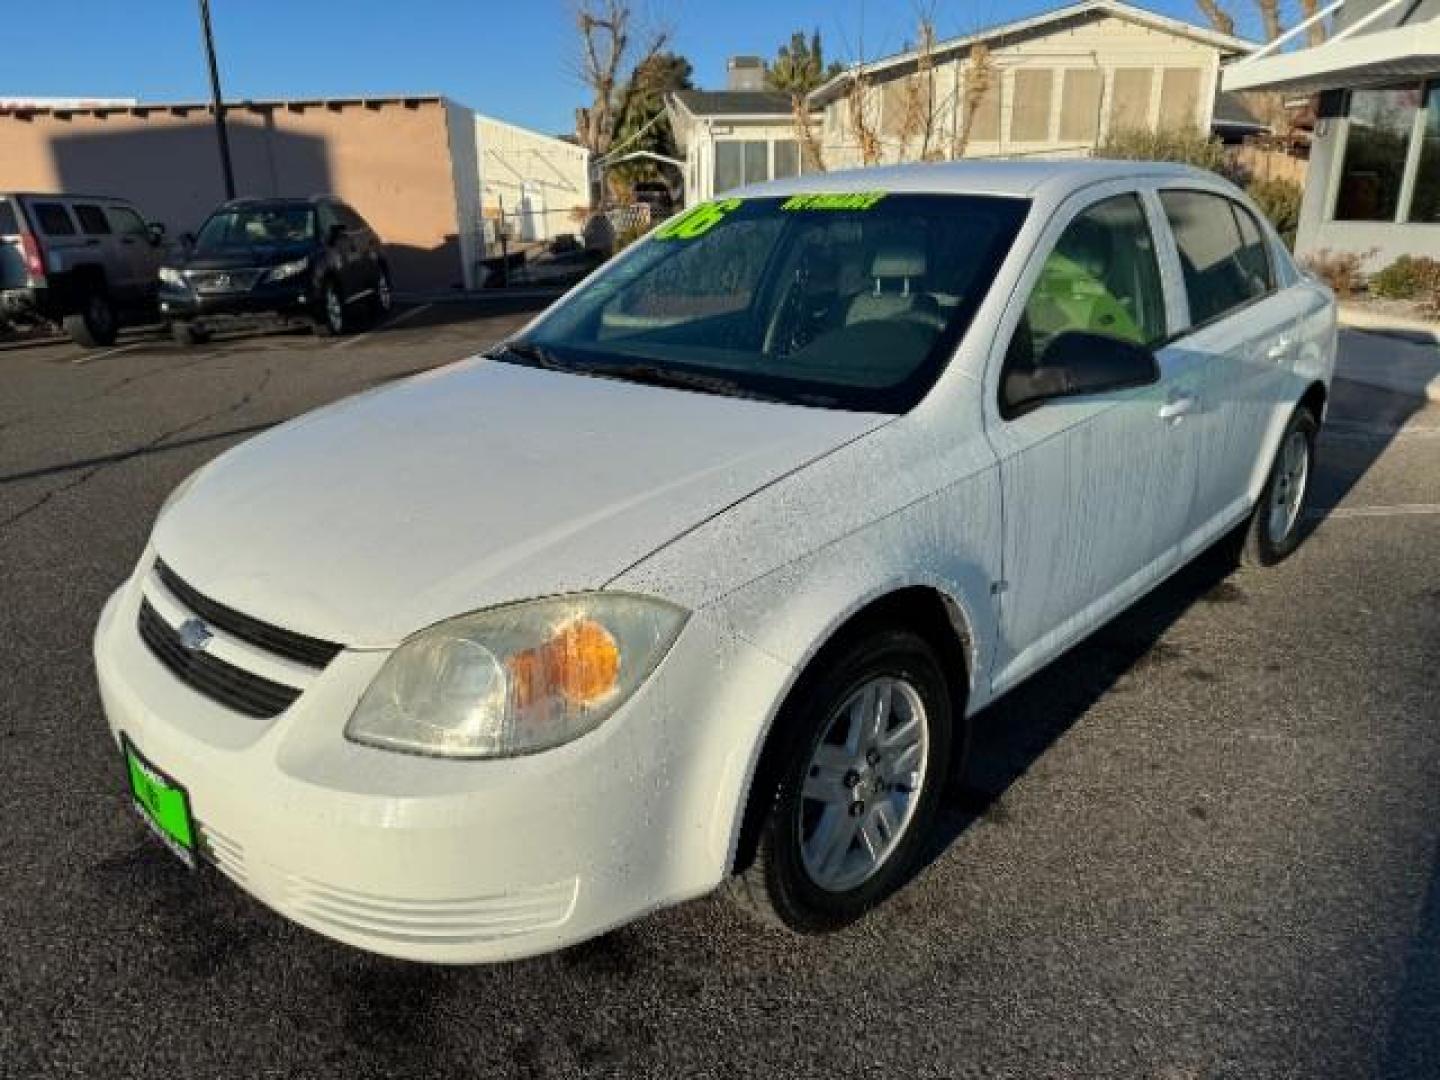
473, 296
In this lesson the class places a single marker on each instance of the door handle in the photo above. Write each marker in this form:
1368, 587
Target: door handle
1177, 407
1278, 349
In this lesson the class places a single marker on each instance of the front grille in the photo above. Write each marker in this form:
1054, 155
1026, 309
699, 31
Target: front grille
292, 646
223, 281
226, 684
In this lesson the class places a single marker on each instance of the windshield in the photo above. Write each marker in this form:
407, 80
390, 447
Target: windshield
257, 225
851, 301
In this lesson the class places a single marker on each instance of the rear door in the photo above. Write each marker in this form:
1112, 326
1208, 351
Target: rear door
102, 245
1242, 330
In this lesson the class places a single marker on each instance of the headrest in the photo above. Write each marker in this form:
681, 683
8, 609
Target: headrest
898, 261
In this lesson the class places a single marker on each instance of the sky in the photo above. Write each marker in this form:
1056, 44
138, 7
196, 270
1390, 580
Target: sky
514, 60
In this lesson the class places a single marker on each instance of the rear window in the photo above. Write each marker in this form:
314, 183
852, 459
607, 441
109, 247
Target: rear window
92, 220
9, 226
54, 219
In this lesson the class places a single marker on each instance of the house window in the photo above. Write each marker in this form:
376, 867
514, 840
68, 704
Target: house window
1381, 123
1131, 99
1080, 105
729, 166
1425, 206
757, 161
1030, 114
985, 127
1179, 97
787, 158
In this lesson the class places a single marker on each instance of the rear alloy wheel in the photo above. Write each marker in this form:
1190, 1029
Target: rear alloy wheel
331, 321
864, 760
95, 324
1276, 525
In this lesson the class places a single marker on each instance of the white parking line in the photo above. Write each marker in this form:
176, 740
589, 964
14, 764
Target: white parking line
408, 313
90, 358
1399, 510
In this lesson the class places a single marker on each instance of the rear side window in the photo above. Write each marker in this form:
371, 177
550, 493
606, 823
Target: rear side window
1225, 264
9, 224
92, 220
54, 219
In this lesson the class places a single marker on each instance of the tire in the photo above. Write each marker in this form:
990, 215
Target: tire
187, 334
382, 301
1276, 525
94, 325
331, 320
797, 880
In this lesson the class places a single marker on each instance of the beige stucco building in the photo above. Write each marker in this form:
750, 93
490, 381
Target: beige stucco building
419, 169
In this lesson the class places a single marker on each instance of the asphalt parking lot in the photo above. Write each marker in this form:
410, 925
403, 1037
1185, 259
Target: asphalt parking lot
1205, 844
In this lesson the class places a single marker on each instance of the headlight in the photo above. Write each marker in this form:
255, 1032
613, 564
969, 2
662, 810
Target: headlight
170, 276
288, 270
515, 680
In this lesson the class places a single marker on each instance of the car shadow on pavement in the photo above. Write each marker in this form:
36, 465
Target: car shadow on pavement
1011, 734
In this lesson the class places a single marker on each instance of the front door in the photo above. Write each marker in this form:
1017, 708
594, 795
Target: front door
138, 257
1096, 489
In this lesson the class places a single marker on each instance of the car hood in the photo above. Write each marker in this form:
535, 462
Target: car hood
471, 486
247, 255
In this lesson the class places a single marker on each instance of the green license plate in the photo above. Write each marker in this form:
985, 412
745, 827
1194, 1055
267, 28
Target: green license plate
162, 803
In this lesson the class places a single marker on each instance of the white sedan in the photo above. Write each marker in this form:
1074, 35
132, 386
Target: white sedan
700, 577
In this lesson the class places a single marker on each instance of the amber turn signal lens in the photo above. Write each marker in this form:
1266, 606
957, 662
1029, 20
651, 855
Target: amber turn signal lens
580, 663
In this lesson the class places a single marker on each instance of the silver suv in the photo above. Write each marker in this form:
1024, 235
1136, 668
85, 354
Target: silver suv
86, 262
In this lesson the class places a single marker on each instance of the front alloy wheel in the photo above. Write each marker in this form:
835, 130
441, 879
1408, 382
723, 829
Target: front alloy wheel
861, 788
850, 783
331, 322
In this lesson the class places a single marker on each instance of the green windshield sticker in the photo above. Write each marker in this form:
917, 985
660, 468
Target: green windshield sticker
697, 221
850, 200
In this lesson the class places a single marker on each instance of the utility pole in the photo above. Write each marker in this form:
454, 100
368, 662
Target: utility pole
217, 101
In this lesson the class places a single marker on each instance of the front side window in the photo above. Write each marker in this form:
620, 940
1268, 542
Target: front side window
1222, 268
1381, 122
839, 301
1102, 277
256, 225
127, 222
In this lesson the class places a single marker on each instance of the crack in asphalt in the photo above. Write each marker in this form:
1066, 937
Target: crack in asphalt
135, 451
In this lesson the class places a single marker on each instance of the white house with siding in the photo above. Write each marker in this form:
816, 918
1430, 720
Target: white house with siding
1059, 83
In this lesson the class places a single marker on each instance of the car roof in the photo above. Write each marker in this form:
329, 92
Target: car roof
277, 200
86, 196
1019, 179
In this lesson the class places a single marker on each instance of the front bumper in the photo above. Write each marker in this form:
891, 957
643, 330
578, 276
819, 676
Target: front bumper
454, 861
285, 300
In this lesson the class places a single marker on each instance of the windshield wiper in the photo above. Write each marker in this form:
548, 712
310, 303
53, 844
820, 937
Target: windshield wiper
531, 356
678, 379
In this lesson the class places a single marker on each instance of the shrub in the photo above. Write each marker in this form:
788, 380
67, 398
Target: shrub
1409, 277
1189, 146
1278, 200
1341, 270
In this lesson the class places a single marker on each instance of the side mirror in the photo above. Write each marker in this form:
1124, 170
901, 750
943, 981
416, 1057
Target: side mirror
187, 240
333, 234
1077, 363
156, 230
